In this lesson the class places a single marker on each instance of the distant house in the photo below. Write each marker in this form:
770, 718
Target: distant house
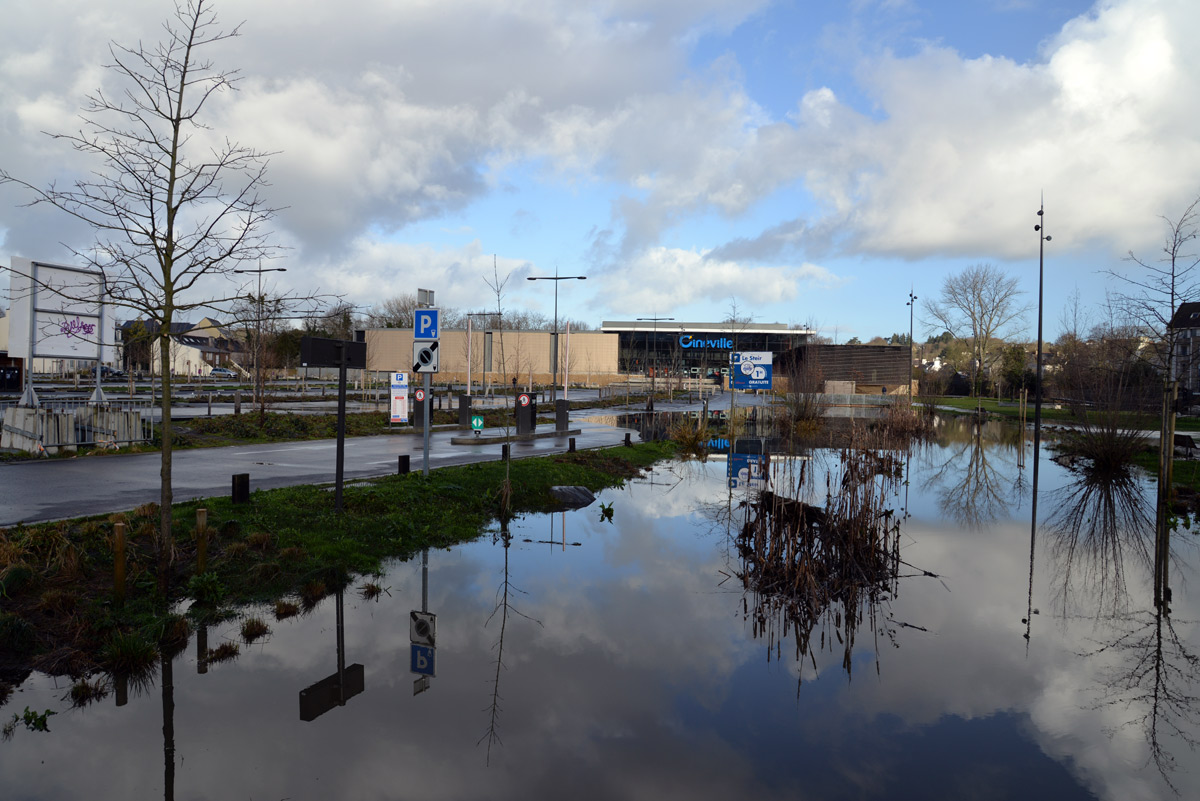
196, 348
1186, 325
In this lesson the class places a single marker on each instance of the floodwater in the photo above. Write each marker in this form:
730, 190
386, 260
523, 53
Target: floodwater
646, 657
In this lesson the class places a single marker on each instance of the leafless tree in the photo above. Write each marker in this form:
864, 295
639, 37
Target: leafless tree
978, 306
1157, 288
397, 312
172, 207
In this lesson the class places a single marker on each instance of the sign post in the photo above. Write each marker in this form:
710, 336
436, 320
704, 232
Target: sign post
319, 352
425, 360
750, 370
399, 398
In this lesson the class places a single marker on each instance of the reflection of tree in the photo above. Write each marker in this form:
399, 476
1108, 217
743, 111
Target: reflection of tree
970, 489
503, 607
1158, 683
832, 568
1098, 520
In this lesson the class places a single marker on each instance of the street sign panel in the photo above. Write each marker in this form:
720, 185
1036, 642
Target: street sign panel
321, 352
399, 405
747, 471
477, 422
420, 394
425, 357
422, 628
425, 324
423, 660
331, 691
751, 369
523, 399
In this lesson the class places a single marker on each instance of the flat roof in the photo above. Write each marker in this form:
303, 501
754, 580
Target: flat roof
621, 326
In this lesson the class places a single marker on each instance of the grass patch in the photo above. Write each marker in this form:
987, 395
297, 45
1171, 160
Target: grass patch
253, 628
285, 543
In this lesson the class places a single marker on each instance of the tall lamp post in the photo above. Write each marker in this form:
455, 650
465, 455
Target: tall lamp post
554, 337
469, 316
260, 301
654, 375
912, 302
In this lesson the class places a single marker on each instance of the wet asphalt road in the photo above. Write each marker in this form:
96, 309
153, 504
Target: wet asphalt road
61, 488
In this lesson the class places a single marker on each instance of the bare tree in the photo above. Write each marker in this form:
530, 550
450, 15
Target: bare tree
978, 307
397, 312
1156, 291
171, 207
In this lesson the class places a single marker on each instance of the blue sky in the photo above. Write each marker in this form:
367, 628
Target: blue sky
803, 162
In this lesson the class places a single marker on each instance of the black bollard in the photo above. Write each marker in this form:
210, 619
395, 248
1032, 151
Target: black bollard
571, 445
504, 452
241, 488
628, 439
402, 464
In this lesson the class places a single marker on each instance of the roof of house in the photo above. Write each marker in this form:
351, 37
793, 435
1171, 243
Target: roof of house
1186, 316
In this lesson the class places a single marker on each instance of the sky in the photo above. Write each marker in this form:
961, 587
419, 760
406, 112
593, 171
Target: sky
797, 162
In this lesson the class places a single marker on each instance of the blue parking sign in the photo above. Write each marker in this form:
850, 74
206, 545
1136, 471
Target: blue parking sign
424, 660
425, 324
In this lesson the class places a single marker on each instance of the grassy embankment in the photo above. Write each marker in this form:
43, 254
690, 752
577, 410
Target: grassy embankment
288, 545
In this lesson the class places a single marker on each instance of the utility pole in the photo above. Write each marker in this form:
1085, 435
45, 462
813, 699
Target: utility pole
654, 374
554, 336
260, 302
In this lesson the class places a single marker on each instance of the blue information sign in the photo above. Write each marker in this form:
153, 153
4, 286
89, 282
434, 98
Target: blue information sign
746, 471
751, 369
425, 324
424, 660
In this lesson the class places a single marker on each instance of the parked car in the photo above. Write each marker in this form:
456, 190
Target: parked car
106, 373
222, 373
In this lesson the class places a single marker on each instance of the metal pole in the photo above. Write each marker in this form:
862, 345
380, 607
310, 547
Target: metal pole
912, 303
427, 409
341, 428
468, 355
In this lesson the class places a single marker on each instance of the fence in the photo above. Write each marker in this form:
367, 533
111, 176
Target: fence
68, 424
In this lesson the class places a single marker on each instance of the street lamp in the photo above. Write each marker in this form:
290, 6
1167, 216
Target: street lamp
912, 302
554, 337
469, 316
1037, 408
654, 375
260, 302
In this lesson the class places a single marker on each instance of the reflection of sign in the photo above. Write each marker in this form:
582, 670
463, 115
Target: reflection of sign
523, 399
751, 370
423, 660
425, 357
422, 628
477, 422
399, 398
425, 324
420, 395
331, 691
745, 471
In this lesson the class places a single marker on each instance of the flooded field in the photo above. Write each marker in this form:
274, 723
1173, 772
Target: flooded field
881, 624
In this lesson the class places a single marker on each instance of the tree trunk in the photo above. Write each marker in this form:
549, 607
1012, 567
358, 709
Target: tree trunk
166, 497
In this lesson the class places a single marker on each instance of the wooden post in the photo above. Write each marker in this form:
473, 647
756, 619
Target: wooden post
119, 563
201, 541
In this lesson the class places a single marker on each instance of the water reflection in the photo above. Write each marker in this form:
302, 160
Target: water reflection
972, 475
828, 570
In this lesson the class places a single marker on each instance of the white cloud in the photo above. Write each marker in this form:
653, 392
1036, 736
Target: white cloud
664, 279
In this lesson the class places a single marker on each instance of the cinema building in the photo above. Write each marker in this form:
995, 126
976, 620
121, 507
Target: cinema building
618, 350
669, 347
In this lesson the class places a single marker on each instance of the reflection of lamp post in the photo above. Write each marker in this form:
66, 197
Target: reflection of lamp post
260, 302
912, 302
654, 375
554, 337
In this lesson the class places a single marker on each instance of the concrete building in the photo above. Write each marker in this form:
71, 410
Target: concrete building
586, 357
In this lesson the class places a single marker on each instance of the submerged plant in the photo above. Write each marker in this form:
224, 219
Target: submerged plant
286, 609
223, 652
254, 628
206, 589
84, 692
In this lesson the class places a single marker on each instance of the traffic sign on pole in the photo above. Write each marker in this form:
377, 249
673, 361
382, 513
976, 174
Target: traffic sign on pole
523, 399
420, 393
425, 357
477, 422
425, 324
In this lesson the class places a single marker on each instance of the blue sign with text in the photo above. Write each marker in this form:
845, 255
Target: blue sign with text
425, 324
751, 369
424, 660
